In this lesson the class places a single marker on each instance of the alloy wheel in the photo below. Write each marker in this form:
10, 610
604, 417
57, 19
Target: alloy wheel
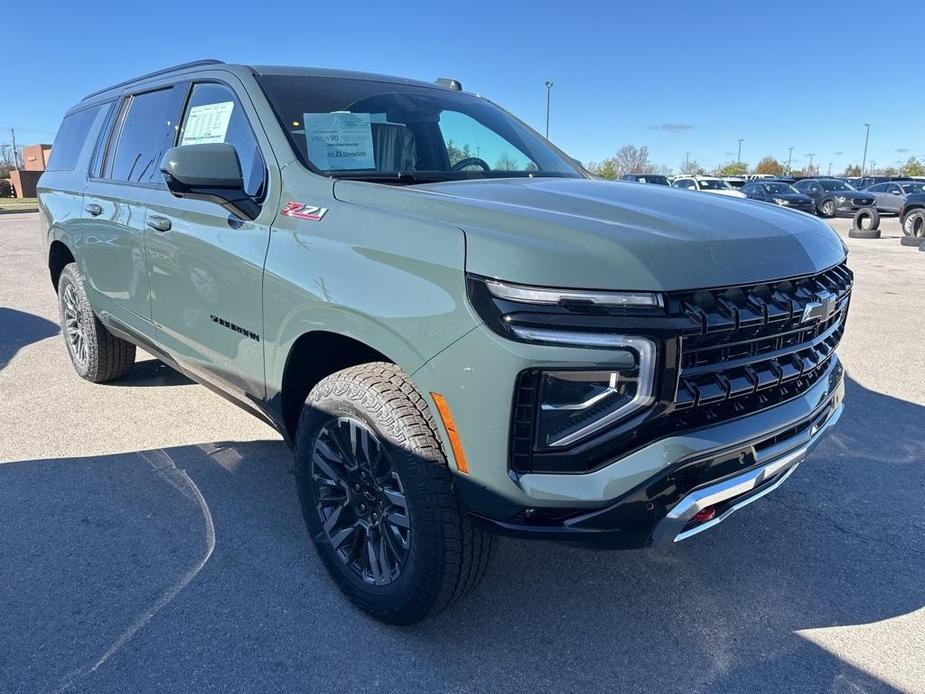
74, 325
361, 501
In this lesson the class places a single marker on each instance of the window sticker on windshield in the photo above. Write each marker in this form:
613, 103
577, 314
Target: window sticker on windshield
338, 141
207, 124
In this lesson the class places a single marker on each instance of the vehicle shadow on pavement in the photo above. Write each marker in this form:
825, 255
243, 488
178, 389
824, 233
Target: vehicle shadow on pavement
151, 373
189, 568
19, 329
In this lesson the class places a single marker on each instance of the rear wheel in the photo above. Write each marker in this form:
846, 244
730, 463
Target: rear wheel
97, 354
914, 224
378, 497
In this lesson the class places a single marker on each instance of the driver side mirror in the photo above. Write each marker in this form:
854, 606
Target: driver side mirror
209, 172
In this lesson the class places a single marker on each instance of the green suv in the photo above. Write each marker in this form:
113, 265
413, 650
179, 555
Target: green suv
459, 332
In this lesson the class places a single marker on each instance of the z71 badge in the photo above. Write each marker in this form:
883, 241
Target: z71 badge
302, 211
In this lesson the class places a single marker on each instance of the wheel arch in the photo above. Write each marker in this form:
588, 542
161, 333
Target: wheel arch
59, 255
313, 356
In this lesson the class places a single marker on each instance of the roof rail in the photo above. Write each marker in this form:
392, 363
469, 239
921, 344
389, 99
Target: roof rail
156, 73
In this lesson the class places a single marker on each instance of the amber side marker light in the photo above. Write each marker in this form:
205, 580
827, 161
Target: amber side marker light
450, 425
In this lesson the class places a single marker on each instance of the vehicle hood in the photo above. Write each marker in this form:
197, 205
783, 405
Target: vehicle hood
564, 232
853, 194
792, 197
727, 193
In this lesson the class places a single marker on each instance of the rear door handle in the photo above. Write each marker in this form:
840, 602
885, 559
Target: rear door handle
94, 209
160, 224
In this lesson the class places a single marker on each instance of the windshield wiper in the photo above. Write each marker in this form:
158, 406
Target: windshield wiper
382, 177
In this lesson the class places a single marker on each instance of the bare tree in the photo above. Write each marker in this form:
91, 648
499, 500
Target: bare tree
628, 159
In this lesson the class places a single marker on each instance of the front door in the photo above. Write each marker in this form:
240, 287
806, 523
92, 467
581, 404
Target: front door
206, 264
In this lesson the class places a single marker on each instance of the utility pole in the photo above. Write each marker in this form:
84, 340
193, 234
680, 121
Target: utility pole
811, 155
789, 159
16, 161
830, 168
866, 138
687, 161
739, 155
548, 91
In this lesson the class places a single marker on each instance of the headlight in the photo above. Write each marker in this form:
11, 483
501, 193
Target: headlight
841, 199
781, 201
573, 405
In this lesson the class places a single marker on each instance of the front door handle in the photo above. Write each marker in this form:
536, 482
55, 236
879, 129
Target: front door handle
94, 209
160, 224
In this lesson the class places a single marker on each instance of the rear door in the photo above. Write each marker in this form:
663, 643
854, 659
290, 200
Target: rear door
206, 265
113, 244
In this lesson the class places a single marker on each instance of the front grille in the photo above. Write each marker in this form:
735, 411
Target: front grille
750, 347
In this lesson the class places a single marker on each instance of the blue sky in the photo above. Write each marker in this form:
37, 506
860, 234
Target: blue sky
675, 76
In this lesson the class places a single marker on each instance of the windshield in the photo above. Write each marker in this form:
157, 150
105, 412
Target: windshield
713, 184
780, 189
365, 129
835, 185
913, 187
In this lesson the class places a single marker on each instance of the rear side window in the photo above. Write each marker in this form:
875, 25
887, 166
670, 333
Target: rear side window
214, 114
142, 140
69, 141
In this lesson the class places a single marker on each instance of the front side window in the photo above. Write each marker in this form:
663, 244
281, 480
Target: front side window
214, 114
142, 142
913, 187
70, 139
714, 184
685, 183
366, 129
832, 185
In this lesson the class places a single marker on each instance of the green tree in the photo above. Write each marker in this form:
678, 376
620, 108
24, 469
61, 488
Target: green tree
852, 170
457, 154
769, 165
733, 168
604, 169
913, 167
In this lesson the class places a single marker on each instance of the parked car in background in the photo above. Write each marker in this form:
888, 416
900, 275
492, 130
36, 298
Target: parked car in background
853, 181
912, 215
708, 184
657, 179
779, 193
891, 196
735, 181
833, 196
868, 181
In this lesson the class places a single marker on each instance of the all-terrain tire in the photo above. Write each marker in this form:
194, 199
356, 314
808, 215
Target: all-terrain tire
914, 223
913, 241
867, 212
98, 356
446, 554
856, 233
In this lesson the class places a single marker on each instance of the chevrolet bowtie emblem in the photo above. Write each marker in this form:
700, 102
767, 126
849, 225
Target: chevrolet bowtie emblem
819, 310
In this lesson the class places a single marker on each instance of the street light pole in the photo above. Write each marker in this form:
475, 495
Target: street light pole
866, 138
739, 155
548, 91
687, 161
789, 159
811, 155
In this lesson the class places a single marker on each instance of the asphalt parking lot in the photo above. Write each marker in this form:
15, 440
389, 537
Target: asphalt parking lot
150, 540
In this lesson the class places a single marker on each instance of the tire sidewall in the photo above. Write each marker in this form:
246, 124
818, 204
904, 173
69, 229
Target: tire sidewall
825, 211
419, 579
909, 222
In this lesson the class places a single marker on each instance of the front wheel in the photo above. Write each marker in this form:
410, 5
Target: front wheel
378, 497
828, 209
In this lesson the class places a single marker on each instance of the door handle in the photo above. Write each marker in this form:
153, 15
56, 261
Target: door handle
94, 209
160, 224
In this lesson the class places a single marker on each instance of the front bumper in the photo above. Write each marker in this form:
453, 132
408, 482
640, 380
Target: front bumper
669, 507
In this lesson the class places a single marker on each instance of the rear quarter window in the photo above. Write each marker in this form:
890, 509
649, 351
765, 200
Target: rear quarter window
70, 140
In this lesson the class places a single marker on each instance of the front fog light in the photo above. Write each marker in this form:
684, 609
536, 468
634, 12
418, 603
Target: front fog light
576, 404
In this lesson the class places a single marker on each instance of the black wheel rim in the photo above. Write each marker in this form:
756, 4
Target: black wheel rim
361, 501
